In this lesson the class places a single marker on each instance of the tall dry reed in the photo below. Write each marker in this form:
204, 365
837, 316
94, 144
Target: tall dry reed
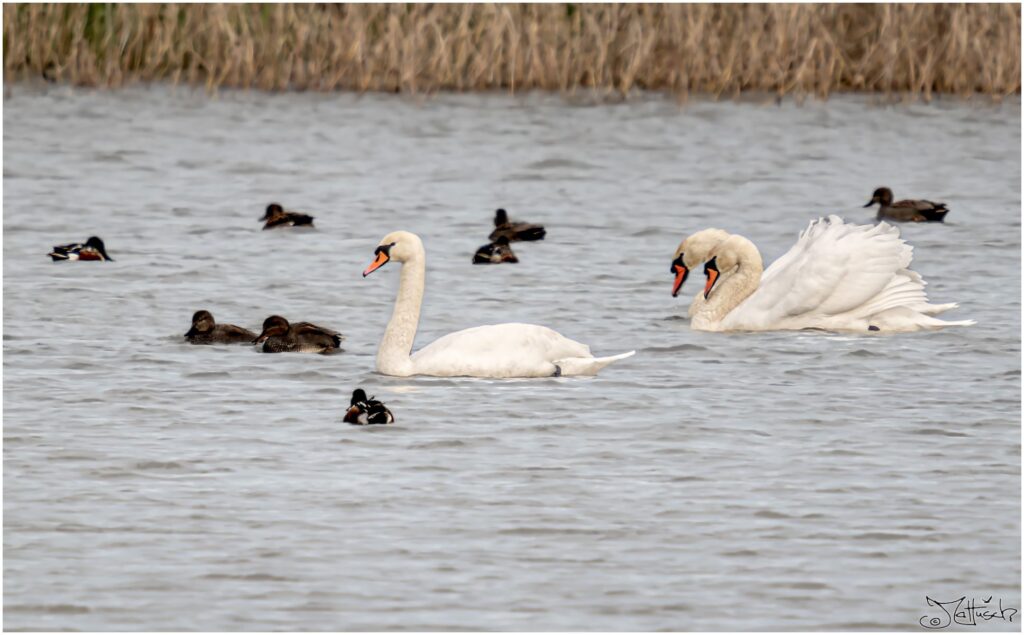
691, 48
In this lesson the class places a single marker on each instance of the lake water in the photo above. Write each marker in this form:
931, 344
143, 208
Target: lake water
794, 480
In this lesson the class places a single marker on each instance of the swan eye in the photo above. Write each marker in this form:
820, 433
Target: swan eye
711, 265
678, 262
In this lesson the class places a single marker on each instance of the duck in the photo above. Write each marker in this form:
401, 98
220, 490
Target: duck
495, 253
916, 211
495, 351
206, 331
514, 231
279, 336
277, 217
837, 277
367, 411
91, 249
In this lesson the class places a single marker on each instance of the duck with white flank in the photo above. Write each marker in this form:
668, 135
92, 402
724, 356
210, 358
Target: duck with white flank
91, 249
367, 411
495, 253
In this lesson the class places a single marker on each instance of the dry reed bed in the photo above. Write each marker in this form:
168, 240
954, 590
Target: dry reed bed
697, 48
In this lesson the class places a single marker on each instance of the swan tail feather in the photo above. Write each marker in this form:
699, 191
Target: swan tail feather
587, 365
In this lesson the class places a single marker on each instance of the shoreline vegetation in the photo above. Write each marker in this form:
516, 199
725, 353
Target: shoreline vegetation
719, 50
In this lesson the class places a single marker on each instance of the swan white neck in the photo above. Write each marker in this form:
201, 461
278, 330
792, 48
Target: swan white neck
736, 284
393, 356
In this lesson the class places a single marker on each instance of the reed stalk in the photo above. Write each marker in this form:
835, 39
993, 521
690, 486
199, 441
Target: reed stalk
721, 50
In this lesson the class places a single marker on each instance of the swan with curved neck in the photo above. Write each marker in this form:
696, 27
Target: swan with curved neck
692, 253
496, 350
837, 277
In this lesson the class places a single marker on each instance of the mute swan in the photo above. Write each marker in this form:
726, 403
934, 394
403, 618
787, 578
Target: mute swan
693, 251
367, 411
909, 210
837, 277
206, 331
495, 350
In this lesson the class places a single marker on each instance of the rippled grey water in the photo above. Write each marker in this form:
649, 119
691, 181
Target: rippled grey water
713, 481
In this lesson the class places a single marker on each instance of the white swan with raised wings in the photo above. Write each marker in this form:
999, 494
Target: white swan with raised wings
496, 350
837, 277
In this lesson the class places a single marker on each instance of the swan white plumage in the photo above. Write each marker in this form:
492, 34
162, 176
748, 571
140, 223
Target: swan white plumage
837, 277
496, 350
693, 251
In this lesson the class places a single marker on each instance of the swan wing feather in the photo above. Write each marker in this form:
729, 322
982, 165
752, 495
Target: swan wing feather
837, 268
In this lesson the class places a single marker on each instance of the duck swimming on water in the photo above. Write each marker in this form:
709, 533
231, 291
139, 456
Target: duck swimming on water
367, 411
279, 336
91, 249
206, 331
277, 217
514, 231
495, 253
915, 211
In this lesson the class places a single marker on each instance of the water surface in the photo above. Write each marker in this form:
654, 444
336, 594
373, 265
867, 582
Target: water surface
713, 481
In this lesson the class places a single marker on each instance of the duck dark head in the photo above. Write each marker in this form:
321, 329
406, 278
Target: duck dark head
882, 195
500, 217
273, 211
202, 322
358, 395
681, 272
97, 244
273, 325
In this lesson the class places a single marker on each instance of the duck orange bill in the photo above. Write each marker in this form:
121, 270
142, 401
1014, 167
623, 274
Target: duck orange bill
712, 278
378, 262
681, 273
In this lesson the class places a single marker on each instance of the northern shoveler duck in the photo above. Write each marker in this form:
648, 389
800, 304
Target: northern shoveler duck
206, 331
495, 253
367, 411
514, 231
277, 217
916, 211
91, 249
279, 336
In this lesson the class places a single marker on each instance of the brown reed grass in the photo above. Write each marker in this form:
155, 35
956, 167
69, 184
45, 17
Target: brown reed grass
722, 50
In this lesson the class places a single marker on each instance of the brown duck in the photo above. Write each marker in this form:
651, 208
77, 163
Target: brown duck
279, 336
495, 253
915, 211
206, 331
514, 231
277, 217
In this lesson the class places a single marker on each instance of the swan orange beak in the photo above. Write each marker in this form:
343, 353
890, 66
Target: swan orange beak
711, 271
681, 273
378, 262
